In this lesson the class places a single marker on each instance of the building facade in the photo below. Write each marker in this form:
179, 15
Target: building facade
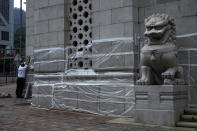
6, 23
86, 52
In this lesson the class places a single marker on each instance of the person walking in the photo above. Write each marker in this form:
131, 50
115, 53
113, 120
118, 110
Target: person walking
21, 78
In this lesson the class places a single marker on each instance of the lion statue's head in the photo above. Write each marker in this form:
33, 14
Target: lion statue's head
160, 28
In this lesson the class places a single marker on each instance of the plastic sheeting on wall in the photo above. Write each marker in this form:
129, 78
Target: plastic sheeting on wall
106, 85
97, 79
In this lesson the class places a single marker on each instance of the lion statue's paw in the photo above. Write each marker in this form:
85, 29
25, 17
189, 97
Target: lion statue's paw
168, 75
143, 82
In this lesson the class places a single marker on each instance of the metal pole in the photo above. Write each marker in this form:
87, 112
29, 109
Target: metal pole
21, 25
4, 72
3, 66
10, 64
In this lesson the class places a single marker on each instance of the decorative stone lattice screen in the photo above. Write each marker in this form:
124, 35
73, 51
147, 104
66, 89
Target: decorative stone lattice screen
80, 22
80, 34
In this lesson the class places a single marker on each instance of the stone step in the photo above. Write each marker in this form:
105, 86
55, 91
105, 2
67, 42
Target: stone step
189, 118
190, 111
186, 124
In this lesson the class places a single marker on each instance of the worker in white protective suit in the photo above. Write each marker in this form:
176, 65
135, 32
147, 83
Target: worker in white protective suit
21, 78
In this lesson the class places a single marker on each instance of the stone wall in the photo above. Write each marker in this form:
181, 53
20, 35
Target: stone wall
74, 70
98, 73
184, 12
113, 18
45, 41
45, 33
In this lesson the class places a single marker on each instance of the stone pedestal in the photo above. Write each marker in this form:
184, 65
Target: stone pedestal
160, 104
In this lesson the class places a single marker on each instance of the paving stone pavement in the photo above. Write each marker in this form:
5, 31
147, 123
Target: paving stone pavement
18, 115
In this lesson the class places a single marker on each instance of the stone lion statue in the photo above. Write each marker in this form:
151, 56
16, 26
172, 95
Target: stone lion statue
159, 63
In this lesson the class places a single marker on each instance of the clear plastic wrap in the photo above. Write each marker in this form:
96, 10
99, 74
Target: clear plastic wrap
187, 58
114, 54
98, 86
86, 91
49, 60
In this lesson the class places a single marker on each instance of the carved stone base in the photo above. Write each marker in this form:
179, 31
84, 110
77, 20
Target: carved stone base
160, 104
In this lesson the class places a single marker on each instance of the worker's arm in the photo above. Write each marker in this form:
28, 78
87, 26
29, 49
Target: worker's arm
28, 60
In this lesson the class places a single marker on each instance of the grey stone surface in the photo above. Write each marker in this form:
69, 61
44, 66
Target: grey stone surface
34, 100
89, 106
56, 24
192, 95
60, 103
129, 29
29, 3
30, 77
187, 42
165, 1
165, 103
29, 49
45, 29
42, 101
96, 32
102, 18
109, 107
155, 117
56, 2
143, 3
102, 47
112, 31
113, 62
120, 15
101, 76
49, 31
95, 5
191, 25
108, 62
48, 78
188, 7
113, 46
102, 99
114, 55
41, 27
49, 66
84, 96
116, 92
47, 54
112, 99
43, 89
45, 102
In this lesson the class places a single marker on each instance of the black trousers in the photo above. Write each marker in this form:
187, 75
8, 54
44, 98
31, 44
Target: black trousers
20, 87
